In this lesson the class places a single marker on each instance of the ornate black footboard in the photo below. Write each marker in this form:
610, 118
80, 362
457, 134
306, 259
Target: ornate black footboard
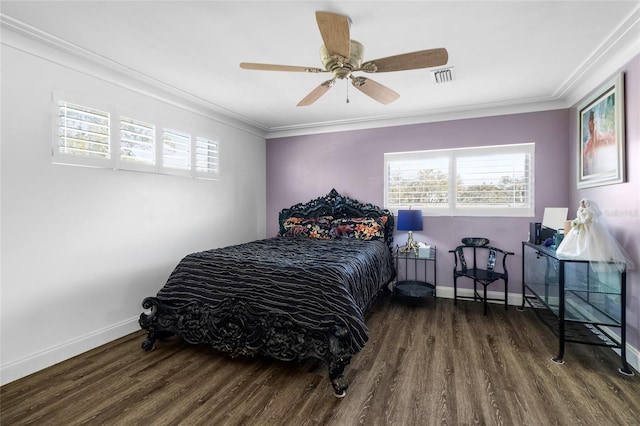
233, 327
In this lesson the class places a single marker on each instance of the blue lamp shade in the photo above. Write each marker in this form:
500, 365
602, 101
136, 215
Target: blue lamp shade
409, 220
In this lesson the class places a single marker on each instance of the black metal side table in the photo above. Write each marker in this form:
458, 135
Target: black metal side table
413, 281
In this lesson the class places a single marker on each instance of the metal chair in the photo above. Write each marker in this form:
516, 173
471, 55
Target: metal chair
480, 276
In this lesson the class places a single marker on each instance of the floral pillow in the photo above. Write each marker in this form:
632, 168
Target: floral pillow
313, 227
363, 228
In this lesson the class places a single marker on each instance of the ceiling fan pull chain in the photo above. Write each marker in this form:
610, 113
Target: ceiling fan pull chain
347, 91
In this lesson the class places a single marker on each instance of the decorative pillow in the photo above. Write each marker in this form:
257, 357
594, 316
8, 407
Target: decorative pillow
363, 228
313, 227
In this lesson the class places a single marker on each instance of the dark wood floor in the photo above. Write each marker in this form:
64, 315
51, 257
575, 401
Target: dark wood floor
434, 364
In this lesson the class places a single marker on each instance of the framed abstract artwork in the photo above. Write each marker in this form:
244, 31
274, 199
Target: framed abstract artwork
601, 151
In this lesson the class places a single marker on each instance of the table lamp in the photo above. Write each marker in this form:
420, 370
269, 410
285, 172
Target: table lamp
410, 220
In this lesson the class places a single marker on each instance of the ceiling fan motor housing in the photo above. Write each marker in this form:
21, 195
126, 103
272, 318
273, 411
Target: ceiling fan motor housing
337, 65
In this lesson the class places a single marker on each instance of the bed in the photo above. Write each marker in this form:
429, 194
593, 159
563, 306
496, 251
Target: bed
302, 294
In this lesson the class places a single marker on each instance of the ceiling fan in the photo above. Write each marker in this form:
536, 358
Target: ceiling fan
343, 56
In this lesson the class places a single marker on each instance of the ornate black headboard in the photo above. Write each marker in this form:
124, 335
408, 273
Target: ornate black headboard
338, 206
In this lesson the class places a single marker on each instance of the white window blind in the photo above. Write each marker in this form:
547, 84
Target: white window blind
83, 135
137, 144
176, 150
206, 157
483, 181
417, 180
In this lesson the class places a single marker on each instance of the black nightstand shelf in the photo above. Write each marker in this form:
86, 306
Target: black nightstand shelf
415, 289
413, 281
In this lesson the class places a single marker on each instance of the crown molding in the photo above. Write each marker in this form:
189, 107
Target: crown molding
431, 116
606, 60
43, 45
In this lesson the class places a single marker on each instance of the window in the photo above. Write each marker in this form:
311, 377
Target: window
83, 135
176, 150
96, 136
137, 145
206, 157
484, 181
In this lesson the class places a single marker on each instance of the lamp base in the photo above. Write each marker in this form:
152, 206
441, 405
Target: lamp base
410, 246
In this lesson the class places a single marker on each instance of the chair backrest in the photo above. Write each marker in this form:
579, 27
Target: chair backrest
491, 256
463, 262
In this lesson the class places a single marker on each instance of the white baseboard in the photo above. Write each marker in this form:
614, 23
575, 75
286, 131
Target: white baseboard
512, 298
633, 355
53, 355
515, 299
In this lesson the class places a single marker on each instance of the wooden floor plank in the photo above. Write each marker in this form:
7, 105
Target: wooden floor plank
427, 364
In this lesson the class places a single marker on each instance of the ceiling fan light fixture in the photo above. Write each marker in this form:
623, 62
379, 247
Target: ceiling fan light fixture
333, 62
442, 75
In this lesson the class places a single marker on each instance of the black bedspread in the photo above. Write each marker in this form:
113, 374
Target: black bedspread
318, 283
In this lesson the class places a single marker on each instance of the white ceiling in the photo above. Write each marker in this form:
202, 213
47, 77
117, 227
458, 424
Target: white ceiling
508, 56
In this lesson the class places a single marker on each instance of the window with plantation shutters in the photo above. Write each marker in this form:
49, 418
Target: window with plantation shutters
137, 144
417, 179
481, 181
83, 135
206, 157
176, 150
94, 133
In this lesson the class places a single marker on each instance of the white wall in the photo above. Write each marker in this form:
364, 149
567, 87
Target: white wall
81, 247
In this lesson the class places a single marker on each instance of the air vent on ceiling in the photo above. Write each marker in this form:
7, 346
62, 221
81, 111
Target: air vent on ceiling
442, 75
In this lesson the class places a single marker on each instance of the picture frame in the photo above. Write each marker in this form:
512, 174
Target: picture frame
601, 136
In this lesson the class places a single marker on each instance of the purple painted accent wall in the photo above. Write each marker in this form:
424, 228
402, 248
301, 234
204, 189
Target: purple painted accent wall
305, 167
620, 203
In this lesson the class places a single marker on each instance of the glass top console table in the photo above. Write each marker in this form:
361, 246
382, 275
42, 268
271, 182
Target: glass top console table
580, 305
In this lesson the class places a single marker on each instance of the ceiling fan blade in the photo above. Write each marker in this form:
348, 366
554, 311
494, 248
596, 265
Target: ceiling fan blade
316, 93
272, 67
408, 61
374, 90
334, 29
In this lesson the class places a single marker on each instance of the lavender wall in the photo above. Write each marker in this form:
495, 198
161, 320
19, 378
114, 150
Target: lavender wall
620, 203
305, 167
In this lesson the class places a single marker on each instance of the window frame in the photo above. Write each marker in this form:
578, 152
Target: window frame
452, 154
